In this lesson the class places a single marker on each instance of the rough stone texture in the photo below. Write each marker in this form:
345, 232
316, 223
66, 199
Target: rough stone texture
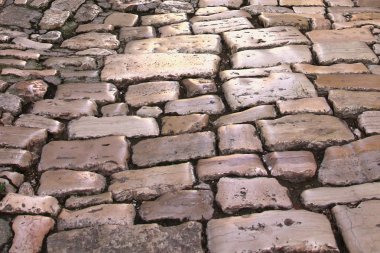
54, 19
223, 14
340, 68
116, 109
105, 155
71, 5
90, 40
354, 34
357, 82
220, 26
15, 157
31, 139
174, 148
184, 124
94, 28
135, 33
13, 15
149, 111
78, 63
225, 3
182, 28
119, 19
14, 177
271, 231
317, 105
240, 138
199, 86
181, 205
10, 103
210, 104
235, 194
75, 202
301, 22
5, 232
243, 165
359, 226
87, 12
163, 19
175, 7
182, 238
304, 131
29, 91
370, 122
53, 127
145, 184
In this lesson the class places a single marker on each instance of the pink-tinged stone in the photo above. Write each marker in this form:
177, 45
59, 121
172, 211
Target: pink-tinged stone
29, 91
15, 157
31, 139
370, 122
317, 105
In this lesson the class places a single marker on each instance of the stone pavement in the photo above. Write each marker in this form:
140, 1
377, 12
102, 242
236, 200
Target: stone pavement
189, 126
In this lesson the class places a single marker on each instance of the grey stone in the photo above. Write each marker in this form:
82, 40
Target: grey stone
91, 40
5, 232
23, 17
10, 103
210, 104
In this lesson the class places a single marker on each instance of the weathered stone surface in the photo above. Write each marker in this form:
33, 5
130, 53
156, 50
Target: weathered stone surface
354, 34
141, 67
106, 214
65, 109
340, 68
304, 131
227, 14
23, 55
119, 19
78, 63
14, 177
358, 82
246, 92
285, 19
5, 232
243, 165
271, 231
71, 5
34, 121
12, 63
96, 52
31, 139
301, 3
29, 73
174, 148
90, 40
163, 19
29, 91
317, 105
210, 104
15, 157
324, 197
181, 205
182, 238
135, 33
182, 28
174, 7
311, 9
129, 126
359, 226
116, 109
23, 17
235, 194
87, 12
354, 163
203, 11
31, 44
226, 3
6, 186
149, 111
76, 202
105, 155
30, 232
14, 203
240, 138
94, 28
87, 76
256, 10
26, 189
54, 19
10, 103
184, 124
370, 122
352, 103
199, 86
144, 184
220, 26
151, 93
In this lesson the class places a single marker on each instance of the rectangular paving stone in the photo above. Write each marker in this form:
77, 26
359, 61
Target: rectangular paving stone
226, 75
15, 157
256, 10
163, 19
324, 197
224, 14
141, 67
129, 126
209, 104
370, 122
91, 40
304, 131
76, 202
246, 92
182, 28
357, 82
53, 127
136, 33
19, 54
10, 103
301, 2
239, 138
174, 148
242, 165
260, 58
184, 124
270, 231
264, 38
340, 68
226, 3
353, 34
31, 139
144, 184
220, 26
299, 21
192, 44
317, 105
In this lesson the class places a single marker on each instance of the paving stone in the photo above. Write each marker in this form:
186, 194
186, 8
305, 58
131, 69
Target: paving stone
317, 105
54, 19
260, 58
359, 226
23, 17
10, 103
370, 122
96, 52
5, 232
30, 232
105, 214
179, 205
323, 197
94, 28
77, 63
263, 2
347, 3
29, 73
184, 124
293, 166
15, 157
174, 148
65, 109
264, 38
26, 189
149, 111
31, 139
179, 44
119, 19
3, 86
87, 13
304, 131
116, 109
75, 202
71, 6
310, 10
6, 186
271, 231
353, 163
344, 52
23, 55
368, 3
14, 203
354, 34
240, 138
12, 63
29, 91
359, 82
51, 37
182, 28
340, 68
129, 126
134, 5
181, 238
285, 19
247, 92
201, 11
220, 26
87, 76
301, 2
199, 86
242, 165
141, 67
135, 33
222, 15
158, 20
349, 104
104, 155
145, 184
256, 10
375, 69
226, 75
235, 194
174, 7
225, 3
14, 177
90, 40
210, 104
31, 44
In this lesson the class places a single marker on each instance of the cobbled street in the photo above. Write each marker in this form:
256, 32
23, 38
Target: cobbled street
189, 126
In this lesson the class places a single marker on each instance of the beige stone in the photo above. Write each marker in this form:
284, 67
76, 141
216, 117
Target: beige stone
301, 2
182, 28
199, 86
357, 82
53, 127
15, 157
220, 26
354, 34
75, 202
225, 3
184, 124
240, 138
163, 19
285, 19
340, 68
76, 62
19, 54
370, 122
116, 109
29, 91
227, 14
210, 104
29, 73
85, 28
90, 40
317, 105
119, 19
31, 139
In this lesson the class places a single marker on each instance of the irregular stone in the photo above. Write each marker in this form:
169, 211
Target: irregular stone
5, 232
242, 165
144, 184
12, 63
341, 68
54, 19
65, 109
317, 105
6, 186
87, 13
14, 203
105, 155
225, 3
90, 40
270, 231
311, 10
370, 122
64, 5
30, 44
116, 109
158, 20
15, 157
30, 232
96, 52
246, 92
182, 238
136, 33
357, 82
354, 34
348, 3
26, 189
149, 111
368, 3
29, 73
10, 103
105, 214
184, 124
87, 76
51, 37
141, 67
256, 10
119, 19
182, 28
374, 69
304, 131
129, 126
260, 58
29, 91
14, 177
23, 17
23, 55
210, 104
323, 197
220, 26
78, 63
76, 202
240, 138
222, 15
174, 7
31, 139
203, 11
285, 19
179, 205
235, 194
199, 86
174, 148
301, 3
94, 28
